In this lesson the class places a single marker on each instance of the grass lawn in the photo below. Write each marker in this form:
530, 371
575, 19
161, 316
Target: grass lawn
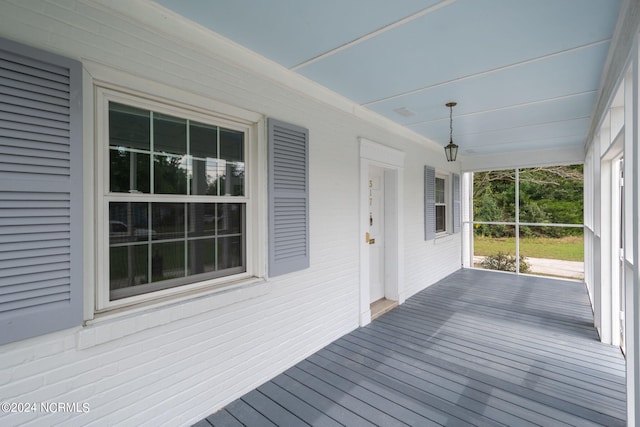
565, 248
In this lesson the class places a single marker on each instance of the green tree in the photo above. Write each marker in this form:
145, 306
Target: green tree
487, 209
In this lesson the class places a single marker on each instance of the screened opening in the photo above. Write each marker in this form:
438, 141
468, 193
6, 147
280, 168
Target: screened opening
529, 221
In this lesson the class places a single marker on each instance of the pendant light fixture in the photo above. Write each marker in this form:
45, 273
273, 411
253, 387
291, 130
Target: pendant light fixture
451, 150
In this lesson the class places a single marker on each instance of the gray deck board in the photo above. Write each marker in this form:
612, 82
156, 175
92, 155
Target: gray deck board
223, 419
536, 371
519, 348
246, 414
331, 408
297, 406
478, 348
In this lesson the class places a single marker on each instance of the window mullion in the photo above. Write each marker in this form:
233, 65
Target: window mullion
189, 159
517, 201
152, 189
218, 160
189, 162
186, 238
150, 244
215, 238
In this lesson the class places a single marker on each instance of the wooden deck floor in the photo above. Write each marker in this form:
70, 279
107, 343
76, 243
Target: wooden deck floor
478, 348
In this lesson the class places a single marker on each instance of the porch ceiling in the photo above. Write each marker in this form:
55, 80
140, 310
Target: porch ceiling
525, 74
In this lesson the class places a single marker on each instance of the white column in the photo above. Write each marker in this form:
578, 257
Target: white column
466, 209
605, 251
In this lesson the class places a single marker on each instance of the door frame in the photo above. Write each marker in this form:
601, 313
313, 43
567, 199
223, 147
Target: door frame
377, 218
610, 274
617, 254
392, 161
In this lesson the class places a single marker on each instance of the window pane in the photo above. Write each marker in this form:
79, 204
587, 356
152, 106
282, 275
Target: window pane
231, 145
206, 175
231, 182
128, 171
170, 174
232, 166
202, 256
167, 221
552, 194
203, 140
230, 218
494, 196
128, 127
202, 219
441, 219
169, 134
230, 252
203, 143
440, 190
128, 222
167, 261
128, 266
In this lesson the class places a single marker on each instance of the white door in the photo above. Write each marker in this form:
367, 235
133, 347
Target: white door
376, 233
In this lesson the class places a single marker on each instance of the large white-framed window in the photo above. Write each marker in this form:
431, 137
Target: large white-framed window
174, 199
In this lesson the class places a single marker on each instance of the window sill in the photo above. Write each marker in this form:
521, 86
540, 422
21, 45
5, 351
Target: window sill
113, 326
443, 237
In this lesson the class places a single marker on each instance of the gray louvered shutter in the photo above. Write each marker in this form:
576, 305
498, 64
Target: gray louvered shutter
40, 192
288, 198
456, 202
429, 203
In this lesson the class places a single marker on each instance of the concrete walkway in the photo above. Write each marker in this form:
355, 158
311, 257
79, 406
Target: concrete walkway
550, 267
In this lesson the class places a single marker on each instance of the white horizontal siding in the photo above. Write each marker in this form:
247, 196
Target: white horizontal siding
177, 372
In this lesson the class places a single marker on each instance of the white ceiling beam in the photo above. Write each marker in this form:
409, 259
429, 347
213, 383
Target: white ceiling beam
374, 33
508, 107
487, 72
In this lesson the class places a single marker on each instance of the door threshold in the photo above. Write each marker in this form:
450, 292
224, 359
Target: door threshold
380, 307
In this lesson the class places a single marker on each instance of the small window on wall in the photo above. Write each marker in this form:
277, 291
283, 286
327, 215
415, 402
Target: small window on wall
175, 200
441, 206
441, 203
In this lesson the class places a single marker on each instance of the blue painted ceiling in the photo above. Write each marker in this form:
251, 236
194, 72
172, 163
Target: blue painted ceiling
525, 73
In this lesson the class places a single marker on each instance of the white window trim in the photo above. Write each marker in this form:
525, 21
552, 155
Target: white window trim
447, 204
254, 265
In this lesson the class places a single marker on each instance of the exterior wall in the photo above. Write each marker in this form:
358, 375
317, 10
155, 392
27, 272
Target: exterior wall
615, 136
176, 363
632, 235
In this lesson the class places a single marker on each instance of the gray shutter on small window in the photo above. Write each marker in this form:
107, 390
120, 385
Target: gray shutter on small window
40, 192
456, 202
288, 198
429, 203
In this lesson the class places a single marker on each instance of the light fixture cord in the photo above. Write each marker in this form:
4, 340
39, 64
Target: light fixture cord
450, 124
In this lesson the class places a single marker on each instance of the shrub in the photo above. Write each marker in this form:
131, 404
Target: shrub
505, 262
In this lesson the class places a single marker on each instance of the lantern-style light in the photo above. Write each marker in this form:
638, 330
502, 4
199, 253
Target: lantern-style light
451, 150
